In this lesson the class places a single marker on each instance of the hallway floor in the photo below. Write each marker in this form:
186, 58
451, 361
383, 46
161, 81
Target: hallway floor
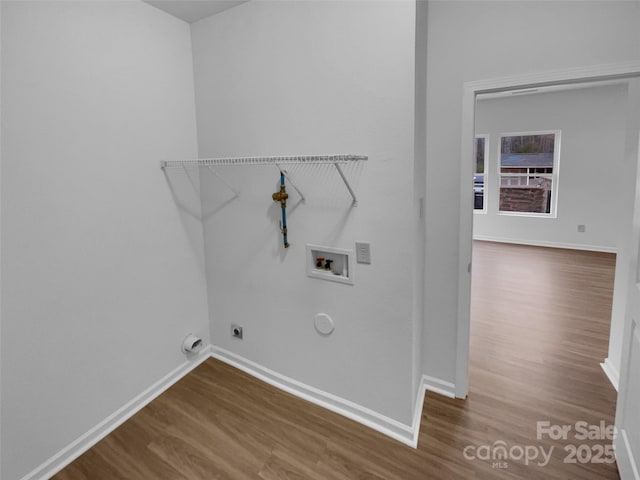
539, 331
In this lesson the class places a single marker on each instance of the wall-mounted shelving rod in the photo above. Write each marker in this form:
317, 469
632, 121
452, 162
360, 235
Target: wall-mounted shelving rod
335, 160
300, 159
193, 184
346, 182
222, 179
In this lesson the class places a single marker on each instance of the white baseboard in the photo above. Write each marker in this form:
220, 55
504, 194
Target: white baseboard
627, 466
536, 243
417, 412
612, 372
431, 384
441, 387
407, 434
385, 425
72, 451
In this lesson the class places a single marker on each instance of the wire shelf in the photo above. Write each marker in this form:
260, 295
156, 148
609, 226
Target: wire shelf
282, 160
210, 163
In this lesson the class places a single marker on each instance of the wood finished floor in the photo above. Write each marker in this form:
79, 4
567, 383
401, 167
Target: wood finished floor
539, 331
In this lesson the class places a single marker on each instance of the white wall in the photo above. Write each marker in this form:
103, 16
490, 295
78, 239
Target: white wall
90, 252
591, 166
101, 279
276, 78
478, 40
419, 172
624, 259
0, 245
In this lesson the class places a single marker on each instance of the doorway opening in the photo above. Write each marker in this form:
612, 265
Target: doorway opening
532, 149
540, 316
506, 86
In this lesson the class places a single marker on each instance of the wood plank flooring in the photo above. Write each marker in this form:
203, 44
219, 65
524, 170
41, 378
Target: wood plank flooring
539, 331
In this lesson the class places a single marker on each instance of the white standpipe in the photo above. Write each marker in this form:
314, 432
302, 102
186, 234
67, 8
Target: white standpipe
191, 344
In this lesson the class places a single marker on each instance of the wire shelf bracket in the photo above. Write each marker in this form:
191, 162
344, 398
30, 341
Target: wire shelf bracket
235, 191
210, 163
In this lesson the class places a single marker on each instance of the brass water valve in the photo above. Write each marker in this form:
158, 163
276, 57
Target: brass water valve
281, 197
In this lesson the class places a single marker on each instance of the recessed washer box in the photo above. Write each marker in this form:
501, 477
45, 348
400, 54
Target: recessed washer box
328, 263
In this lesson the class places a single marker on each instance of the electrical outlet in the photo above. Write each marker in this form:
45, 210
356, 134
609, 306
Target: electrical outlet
236, 331
363, 252
582, 228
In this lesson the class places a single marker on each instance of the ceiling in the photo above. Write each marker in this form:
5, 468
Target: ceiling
194, 10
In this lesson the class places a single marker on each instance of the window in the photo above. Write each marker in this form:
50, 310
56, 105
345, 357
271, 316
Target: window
479, 186
528, 173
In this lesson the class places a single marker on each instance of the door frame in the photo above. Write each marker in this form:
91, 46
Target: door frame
626, 411
596, 73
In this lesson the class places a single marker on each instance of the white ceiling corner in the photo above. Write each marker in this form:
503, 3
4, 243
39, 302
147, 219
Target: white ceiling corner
194, 10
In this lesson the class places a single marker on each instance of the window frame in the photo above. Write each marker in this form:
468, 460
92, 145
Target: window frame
553, 211
487, 162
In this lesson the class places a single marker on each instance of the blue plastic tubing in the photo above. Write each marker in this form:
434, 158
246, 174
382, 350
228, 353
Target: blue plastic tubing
284, 216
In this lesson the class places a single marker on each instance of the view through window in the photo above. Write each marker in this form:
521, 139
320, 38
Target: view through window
478, 174
528, 173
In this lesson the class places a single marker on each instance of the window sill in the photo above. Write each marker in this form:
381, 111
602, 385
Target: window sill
528, 214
